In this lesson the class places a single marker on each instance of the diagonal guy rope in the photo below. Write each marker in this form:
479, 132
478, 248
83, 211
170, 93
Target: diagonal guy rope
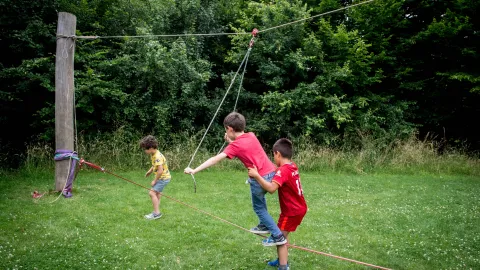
220, 105
315, 16
245, 59
240, 84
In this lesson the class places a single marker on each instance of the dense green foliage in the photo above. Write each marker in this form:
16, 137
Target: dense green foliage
381, 70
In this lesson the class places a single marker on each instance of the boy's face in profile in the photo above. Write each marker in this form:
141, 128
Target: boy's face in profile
230, 133
277, 158
150, 151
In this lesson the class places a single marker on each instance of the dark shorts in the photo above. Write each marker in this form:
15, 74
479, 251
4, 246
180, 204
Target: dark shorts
289, 223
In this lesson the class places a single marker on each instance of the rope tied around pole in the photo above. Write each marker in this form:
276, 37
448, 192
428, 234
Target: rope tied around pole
75, 37
72, 157
59, 36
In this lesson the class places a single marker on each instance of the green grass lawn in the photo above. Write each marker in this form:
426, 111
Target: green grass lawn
396, 221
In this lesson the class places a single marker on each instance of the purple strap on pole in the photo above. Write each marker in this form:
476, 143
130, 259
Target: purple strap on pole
62, 154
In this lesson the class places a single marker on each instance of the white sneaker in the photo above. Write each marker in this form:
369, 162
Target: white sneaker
152, 216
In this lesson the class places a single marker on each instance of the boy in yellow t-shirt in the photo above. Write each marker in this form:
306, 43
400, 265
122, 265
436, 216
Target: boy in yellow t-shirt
162, 175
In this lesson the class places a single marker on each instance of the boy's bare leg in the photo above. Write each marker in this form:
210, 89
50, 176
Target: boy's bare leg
155, 201
282, 251
159, 196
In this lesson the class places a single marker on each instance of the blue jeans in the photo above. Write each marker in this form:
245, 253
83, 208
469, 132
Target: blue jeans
259, 204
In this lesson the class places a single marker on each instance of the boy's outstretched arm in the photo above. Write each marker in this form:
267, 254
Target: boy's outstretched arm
270, 187
210, 162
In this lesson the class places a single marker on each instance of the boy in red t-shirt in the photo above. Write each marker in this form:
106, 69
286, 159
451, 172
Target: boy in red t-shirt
290, 194
247, 148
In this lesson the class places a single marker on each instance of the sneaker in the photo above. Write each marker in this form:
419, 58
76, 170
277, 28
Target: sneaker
260, 229
274, 241
273, 263
283, 267
152, 216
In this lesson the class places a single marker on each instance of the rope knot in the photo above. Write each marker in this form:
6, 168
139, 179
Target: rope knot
74, 37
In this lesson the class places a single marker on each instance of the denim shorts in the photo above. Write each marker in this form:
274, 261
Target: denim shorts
160, 185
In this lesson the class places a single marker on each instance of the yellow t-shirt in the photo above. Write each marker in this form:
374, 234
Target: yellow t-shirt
159, 160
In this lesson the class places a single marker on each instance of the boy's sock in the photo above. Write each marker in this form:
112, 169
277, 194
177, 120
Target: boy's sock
283, 267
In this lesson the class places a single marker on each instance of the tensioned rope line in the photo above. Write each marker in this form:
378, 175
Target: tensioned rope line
220, 33
182, 35
338, 257
240, 84
165, 35
315, 16
94, 166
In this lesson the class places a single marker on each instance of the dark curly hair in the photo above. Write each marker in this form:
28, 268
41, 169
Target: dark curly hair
149, 142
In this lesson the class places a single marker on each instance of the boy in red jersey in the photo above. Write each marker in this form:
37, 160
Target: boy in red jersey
246, 147
290, 194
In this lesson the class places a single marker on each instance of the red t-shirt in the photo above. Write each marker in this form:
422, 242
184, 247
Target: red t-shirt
247, 148
290, 193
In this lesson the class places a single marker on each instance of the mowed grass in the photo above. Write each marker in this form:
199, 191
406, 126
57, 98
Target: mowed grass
395, 221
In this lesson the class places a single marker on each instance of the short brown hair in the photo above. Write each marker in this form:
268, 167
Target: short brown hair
149, 142
285, 147
236, 121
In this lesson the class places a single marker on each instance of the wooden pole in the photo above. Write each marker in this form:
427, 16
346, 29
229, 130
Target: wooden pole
64, 91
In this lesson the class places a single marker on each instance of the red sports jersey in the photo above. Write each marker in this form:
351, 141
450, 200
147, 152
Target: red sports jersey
248, 149
290, 193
